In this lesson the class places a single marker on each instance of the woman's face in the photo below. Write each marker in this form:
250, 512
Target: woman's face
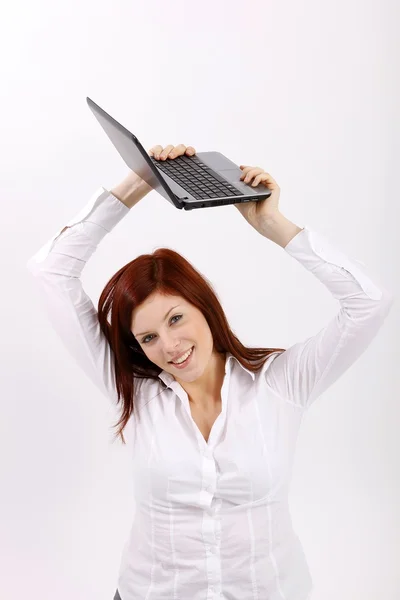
167, 326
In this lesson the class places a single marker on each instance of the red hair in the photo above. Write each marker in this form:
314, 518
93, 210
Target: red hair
166, 272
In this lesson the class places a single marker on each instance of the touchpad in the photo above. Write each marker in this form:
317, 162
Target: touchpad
232, 175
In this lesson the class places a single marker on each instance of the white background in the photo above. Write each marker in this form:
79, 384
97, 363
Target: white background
310, 93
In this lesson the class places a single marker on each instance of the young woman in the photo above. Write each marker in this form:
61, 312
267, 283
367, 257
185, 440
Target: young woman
214, 423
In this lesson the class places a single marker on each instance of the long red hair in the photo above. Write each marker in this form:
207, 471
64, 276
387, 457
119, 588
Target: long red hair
167, 272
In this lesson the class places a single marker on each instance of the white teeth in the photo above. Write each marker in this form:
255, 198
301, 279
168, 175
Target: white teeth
183, 358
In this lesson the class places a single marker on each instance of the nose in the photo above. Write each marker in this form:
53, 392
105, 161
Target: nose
170, 345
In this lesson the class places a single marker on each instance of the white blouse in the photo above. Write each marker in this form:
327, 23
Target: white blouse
212, 519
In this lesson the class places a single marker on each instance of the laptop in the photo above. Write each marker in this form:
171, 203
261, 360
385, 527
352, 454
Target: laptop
188, 182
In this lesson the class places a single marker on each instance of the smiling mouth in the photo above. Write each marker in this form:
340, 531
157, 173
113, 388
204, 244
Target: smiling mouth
171, 362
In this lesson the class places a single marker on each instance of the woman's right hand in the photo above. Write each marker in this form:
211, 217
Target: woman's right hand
160, 153
133, 188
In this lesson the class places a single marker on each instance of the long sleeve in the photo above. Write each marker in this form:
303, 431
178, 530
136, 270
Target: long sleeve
57, 269
308, 368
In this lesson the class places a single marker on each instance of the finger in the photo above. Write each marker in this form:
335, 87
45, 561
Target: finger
177, 151
166, 151
244, 167
155, 150
247, 170
158, 150
267, 180
248, 176
257, 180
182, 149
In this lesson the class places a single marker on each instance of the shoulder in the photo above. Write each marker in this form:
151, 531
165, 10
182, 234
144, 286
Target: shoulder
146, 388
242, 372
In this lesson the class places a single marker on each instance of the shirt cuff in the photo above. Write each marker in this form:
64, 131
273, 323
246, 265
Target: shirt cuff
311, 249
97, 218
103, 209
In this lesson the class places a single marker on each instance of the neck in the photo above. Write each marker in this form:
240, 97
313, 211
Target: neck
205, 392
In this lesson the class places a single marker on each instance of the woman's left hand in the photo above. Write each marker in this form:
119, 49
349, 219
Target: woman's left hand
258, 212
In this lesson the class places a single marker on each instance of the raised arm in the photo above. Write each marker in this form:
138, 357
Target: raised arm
301, 373
57, 268
308, 368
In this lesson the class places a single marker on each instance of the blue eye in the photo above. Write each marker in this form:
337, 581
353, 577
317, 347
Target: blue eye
147, 336
176, 317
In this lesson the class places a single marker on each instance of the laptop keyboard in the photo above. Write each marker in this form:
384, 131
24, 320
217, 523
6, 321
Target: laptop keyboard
196, 177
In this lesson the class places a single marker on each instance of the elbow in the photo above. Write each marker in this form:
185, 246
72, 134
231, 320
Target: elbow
387, 300
366, 309
382, 306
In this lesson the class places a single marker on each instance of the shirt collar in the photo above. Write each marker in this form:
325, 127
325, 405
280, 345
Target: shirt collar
167, 378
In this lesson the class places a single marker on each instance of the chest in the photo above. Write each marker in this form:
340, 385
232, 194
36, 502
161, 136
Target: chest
205, 419
183, 455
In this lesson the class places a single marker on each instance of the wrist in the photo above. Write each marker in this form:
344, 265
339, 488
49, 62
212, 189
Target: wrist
132, 189
278, 229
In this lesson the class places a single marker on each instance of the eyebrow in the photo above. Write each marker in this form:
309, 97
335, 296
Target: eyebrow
170, 310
